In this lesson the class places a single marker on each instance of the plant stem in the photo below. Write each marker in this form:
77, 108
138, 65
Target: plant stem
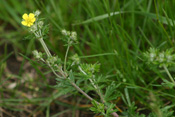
87, 96
64, 75
49, 55
45, 47
95, 86
78, 88
98, 92
54, 72
65, 59
167, 71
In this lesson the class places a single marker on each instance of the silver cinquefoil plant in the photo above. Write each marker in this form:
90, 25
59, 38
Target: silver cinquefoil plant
36, 27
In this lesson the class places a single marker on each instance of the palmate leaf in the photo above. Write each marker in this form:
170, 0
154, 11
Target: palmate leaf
111, 92
110, 109
98, 108
45, 30
29, 37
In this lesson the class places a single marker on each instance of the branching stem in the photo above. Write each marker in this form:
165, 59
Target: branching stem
95, 86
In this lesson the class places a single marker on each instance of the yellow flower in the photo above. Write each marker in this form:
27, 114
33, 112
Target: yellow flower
28, 20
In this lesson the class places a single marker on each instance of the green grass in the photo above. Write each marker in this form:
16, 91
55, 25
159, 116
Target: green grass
114, 33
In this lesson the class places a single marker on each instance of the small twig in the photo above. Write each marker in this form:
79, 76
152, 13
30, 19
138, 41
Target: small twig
7, 113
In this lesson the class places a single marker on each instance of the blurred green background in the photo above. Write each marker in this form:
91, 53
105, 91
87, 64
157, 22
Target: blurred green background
116, 32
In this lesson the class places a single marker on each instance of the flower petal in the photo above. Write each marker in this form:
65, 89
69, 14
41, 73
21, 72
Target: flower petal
30, 24
33, 19
24, 23
31, 15
25, 16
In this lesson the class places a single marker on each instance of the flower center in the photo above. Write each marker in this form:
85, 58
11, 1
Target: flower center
29, 20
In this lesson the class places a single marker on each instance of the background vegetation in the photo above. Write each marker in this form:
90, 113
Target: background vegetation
115, 33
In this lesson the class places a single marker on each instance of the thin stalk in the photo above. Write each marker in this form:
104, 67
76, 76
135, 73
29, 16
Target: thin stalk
64, 74
65, 59
51, 68
55, 72
167, 71
49, 55
98, 91
85, 94
95, 86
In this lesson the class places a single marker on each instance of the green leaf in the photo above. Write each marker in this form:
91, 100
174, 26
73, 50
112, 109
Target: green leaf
98, 107
146, 14
111, 93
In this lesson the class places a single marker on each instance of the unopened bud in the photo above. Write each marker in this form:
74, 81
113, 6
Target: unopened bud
37, 13
64, 32
37, 55
73, 36
40, 24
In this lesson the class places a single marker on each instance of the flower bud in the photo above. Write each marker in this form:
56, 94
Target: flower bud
161, 57
37, 13
64, 32
76, 59
52, 60
169, 58
37, 55
73, 36
40, 24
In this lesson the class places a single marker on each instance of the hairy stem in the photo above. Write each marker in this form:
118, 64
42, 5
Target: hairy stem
45, 47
